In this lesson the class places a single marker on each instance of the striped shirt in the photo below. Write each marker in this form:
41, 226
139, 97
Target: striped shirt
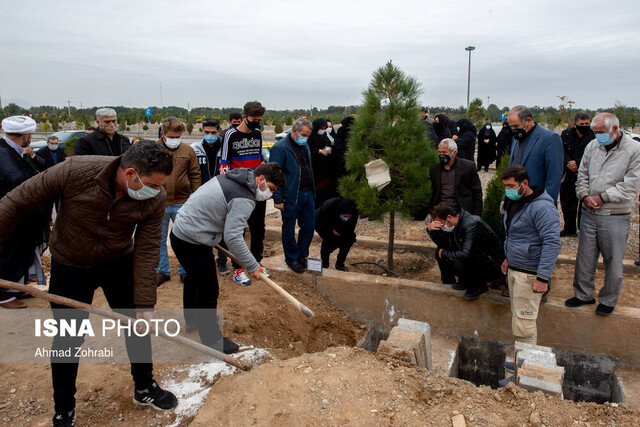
241, 150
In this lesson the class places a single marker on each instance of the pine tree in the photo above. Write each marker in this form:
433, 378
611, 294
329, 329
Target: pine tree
495, 194
388, 127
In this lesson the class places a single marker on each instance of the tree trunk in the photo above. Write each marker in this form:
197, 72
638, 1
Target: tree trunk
392, 232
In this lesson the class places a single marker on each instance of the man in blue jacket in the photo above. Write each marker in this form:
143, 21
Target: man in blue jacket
537, 149
296, 202
532, 225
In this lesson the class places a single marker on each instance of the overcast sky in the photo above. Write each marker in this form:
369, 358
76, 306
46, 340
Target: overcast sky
290, 54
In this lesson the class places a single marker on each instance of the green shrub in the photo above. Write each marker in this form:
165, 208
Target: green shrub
70, 146
278, 128
495, 194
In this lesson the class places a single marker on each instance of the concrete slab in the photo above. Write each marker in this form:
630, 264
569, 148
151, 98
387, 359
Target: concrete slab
629, 379
535, 357
519, 345
425, 329
382, 300
405, 339
444, 355
548, 373
535, 384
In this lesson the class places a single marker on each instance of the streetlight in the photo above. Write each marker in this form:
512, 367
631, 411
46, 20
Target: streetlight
469, 49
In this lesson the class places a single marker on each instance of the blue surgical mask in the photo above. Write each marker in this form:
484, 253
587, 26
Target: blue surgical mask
210, 139
301, 140
142, 194
603, 138
345, 218
512, 193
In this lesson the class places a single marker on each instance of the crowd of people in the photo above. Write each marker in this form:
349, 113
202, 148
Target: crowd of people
115, 202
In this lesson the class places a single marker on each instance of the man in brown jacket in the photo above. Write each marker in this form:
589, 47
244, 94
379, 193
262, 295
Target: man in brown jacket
107, 235
184, 180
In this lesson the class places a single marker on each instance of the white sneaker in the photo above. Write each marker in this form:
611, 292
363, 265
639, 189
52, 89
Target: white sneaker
240, 277
265, 272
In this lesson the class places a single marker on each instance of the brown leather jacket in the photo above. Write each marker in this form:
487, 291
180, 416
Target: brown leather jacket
91, 228
186, 176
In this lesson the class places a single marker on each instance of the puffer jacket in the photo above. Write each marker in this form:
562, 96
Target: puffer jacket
533, 234
186, 177
614, 175
472, 239
92, 228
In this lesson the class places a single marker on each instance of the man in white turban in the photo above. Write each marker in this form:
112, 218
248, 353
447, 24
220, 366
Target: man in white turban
21, 252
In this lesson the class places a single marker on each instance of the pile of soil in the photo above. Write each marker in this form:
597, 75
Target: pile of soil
349, 386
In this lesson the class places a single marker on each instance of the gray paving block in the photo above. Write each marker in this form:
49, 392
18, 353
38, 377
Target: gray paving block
414, 325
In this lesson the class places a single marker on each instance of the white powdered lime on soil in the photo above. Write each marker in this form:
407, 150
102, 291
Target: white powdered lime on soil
194, 389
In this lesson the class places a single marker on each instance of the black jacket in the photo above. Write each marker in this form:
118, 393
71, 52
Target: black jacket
18, 251
466, 139
441, 127
468, 188
505, 138
574, 145
98, 144
340, 146
431, 133
487, 151
328, 218
471, 240
47, 157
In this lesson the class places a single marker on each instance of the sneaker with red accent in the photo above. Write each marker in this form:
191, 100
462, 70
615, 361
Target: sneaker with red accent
264, 271
240, 277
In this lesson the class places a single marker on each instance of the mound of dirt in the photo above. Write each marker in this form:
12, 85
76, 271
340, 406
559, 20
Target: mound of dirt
349, 386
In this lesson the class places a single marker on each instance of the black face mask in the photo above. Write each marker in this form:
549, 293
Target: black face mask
444, 159
253, 125
583, 129
235, 125
519, 134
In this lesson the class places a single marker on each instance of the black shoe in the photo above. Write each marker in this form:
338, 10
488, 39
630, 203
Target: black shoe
223, 268
341, 267
228, 347
565, 233
637, 262
162, 277
474, 294
575, 302
64, 419
182, 277
156, 397
303, 262
604, 310
297, 267
459, 286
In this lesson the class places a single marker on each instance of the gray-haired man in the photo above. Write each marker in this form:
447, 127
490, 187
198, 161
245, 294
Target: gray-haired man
608, 183
105, 141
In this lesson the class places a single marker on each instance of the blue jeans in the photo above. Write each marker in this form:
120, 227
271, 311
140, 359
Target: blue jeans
305, 212
169, 214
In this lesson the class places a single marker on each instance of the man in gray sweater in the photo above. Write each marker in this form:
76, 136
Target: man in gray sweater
221, 207
608, 183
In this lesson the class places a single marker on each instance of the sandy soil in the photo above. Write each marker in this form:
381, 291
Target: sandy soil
349, 386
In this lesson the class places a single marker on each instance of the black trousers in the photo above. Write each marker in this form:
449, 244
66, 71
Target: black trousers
256, 228
570, 203
200, 296
475, 273
116, 280
331, 243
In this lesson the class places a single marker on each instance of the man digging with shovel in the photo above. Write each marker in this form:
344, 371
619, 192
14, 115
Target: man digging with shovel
107, 235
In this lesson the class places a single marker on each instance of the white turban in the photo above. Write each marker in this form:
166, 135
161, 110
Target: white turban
19, 124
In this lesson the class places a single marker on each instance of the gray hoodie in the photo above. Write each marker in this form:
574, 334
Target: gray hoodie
221, 207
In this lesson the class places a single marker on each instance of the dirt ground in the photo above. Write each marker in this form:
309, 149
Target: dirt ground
349, 386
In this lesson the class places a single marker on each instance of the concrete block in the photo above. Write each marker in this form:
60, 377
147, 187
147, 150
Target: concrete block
414, 325
535, 384
404, 338
407, 355
535, 357
525, 346
548, 373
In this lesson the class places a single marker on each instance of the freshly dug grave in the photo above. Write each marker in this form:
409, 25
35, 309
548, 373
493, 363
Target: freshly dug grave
349, 386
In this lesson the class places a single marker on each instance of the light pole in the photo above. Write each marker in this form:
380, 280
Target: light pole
469, 49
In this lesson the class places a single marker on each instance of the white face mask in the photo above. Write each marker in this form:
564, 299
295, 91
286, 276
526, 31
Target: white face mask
321, 131
447, 229
261, 195
172, 143
53, 147
488, 127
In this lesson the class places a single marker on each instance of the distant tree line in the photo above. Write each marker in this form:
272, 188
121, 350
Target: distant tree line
52, 117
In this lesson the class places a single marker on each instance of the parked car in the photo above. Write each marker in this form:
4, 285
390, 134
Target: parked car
281, 135
632, 135
63, 137
266, 150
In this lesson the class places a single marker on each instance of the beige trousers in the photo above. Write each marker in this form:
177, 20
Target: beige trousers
525, 305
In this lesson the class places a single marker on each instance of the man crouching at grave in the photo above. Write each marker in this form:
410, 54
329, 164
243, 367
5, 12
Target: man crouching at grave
107, 235
220, 207
467, 248
532, 225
